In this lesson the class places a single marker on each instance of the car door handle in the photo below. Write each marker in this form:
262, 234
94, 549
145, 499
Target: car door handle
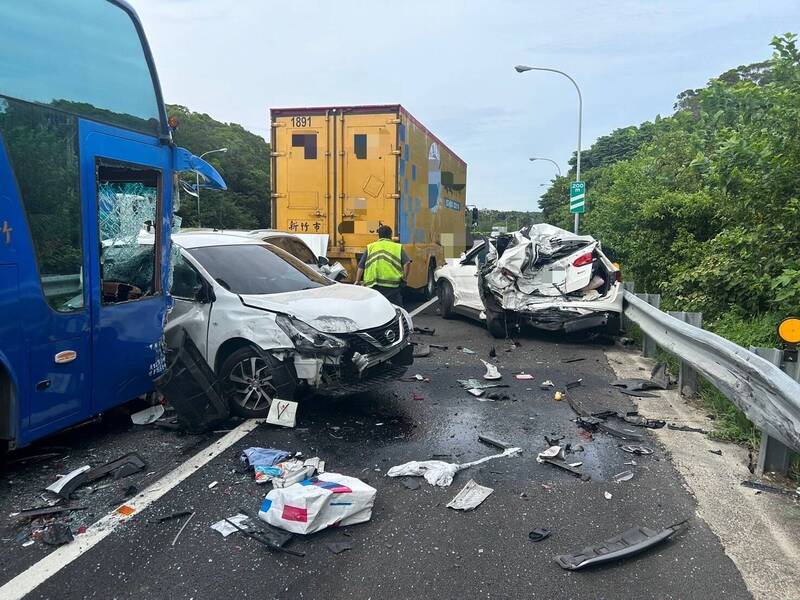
42, 385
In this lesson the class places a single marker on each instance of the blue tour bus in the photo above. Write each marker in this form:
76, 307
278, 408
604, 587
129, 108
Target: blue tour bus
87, 168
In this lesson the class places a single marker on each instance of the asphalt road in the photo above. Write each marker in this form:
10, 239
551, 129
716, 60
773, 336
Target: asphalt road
413, 546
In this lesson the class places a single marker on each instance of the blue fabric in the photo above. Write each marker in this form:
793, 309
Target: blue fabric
263, 457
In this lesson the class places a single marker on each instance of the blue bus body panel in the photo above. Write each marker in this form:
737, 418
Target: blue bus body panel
126, 337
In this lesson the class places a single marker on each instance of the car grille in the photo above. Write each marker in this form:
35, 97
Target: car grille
384, 336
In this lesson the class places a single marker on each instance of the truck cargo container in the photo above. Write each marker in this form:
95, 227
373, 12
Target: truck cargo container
345, 170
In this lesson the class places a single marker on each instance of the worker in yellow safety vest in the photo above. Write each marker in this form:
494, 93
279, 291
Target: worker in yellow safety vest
384, 266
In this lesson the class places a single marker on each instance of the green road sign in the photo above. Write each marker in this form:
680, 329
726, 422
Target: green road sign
577, 197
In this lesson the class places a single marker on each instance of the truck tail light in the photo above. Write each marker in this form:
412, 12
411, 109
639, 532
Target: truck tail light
583, 259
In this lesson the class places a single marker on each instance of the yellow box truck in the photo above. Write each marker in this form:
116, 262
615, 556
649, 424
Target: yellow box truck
345, 170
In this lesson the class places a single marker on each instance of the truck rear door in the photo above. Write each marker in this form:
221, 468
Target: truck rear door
367, 144
303, 156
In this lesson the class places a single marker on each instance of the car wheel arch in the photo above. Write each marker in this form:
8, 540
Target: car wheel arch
228, 347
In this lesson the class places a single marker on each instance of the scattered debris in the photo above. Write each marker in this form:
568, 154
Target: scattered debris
660, 376
126, 510
438, 472
495, 442
639, 450
491, 371
425, 330
466, 350
638, 393
282, 412
421, 350
624, 476
547, 385
231, 524
149, 415
573, 384
28, 543
438, 346
573, 360
607, 495
57, 534
212, 485
190, 385
643, 422
266, 535
35, 513
612, 426
561, 464
470, 496
676, 427
718, 452
327, 499
627, 341
122, 467
176, 515
339, 547
558, 396
763, 487
551, 452
416, 397
631, 542
523, 376
66, 484
537, 535
477, 384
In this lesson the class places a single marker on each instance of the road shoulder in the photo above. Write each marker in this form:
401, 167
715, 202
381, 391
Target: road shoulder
759, 532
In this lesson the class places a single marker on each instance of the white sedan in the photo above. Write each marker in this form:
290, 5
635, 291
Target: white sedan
268, 325
543, 276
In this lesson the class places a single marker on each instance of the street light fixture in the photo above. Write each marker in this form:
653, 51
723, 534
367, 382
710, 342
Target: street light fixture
197, 181
523, 69
555, 164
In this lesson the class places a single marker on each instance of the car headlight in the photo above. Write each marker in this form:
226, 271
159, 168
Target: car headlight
308, 340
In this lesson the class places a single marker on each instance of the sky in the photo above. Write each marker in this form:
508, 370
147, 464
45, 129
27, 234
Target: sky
451, 64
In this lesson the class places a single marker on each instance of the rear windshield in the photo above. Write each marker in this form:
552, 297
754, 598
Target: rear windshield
257, 269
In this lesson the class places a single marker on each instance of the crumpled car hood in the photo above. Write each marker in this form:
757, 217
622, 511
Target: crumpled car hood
338, 308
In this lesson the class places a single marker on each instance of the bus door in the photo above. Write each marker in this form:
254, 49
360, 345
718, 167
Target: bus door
127, 182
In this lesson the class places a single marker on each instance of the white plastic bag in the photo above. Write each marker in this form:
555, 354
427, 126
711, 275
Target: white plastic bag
330, 499
438, 472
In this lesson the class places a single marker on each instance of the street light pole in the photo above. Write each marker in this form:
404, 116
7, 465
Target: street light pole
522, 69
197, 181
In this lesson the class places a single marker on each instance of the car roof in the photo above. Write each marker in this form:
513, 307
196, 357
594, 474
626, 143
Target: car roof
202, 239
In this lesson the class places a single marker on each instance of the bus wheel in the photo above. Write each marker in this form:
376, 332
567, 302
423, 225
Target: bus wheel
252, 379
430, 285
445, 293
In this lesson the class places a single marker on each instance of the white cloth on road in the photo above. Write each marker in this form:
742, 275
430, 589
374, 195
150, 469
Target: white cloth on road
438, 472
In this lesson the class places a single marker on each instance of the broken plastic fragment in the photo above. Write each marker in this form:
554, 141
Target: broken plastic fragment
537, 535
624, 476
547, 385
558, 396
66, 484
467, 351
470, 496
640, 450
151, 414
491, 371
523, 376
551, 452
226, 526
607, 495
632, 541
438, 472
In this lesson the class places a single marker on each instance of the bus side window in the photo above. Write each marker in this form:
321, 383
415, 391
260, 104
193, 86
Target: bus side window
128, 198
42, 145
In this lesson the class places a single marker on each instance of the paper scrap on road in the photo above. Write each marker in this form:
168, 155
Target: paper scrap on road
470, 496
282, 412
226, 528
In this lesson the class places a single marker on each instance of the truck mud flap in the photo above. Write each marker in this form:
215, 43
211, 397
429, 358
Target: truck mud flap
633, 541
599, 320
190, 386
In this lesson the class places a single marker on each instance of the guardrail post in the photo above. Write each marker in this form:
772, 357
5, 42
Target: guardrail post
773, 456
649, 346
687, 376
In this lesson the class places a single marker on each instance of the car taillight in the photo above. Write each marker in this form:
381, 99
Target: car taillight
583, 259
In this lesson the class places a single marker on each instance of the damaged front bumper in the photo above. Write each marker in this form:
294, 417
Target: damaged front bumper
569, 321
373, 357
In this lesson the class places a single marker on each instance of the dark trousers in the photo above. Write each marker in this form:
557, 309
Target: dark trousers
392, 294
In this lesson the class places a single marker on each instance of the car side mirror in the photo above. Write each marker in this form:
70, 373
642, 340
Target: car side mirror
322, 261
203, 293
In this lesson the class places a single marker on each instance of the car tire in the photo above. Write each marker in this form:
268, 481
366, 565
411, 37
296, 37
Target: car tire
251, 379
430, 285
444, 291
496, 324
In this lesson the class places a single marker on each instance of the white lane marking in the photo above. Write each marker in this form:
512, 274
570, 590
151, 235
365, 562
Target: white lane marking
51, 564
422, 307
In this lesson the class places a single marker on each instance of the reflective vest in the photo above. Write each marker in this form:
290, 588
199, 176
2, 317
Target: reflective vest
384, 266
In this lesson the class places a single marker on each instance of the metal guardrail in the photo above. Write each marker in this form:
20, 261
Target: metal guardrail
768, 396
57, 285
